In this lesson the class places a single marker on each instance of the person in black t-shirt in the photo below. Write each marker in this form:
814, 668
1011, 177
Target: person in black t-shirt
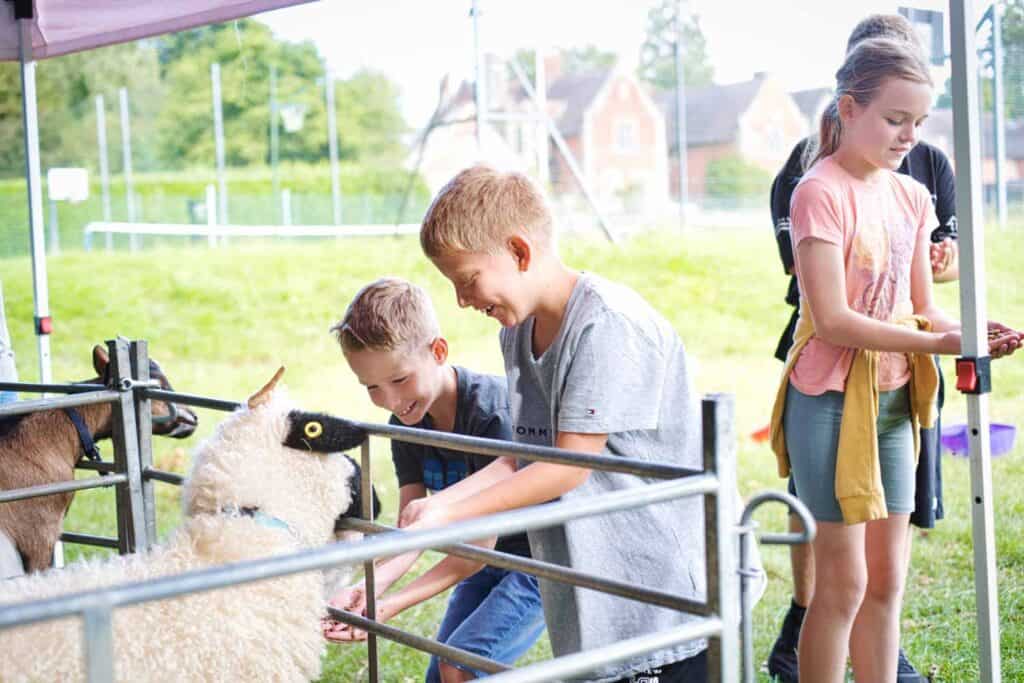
391, 340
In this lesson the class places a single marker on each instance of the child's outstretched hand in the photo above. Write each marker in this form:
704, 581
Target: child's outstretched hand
422, 513
943, 255
350, 599
1002, 340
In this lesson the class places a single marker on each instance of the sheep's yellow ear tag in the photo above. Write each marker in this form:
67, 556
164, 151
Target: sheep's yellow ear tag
263, 395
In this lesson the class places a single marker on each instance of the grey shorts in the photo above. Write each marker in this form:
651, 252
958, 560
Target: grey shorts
812, 423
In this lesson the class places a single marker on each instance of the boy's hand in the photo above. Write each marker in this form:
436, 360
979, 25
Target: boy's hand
350, 599
413, 512
942, 254
1002, 340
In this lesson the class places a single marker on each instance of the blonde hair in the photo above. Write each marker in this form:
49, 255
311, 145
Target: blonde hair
867, 66
386, 315
481, 207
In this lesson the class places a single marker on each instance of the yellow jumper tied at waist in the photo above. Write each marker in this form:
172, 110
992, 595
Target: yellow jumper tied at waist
858, 485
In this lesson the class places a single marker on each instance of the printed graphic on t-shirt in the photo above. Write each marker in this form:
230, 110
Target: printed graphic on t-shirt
439, 474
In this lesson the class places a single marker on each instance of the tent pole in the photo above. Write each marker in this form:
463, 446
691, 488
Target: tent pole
974, 343
33, 179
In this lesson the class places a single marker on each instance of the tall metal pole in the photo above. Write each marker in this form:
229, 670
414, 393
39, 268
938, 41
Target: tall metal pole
30, 117
275, 111
680, 47
999, 118
541, 133
975, 339
218, 133
332, 145
101, 138
481, 79
126, 154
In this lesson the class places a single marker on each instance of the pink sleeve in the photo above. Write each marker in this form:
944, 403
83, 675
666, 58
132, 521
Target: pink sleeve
814, 212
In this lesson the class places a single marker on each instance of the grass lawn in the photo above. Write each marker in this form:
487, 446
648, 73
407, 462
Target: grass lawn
221, 321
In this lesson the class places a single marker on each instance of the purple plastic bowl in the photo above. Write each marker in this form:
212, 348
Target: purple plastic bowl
954, 438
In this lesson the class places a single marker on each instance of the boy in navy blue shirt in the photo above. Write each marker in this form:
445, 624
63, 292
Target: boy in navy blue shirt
391, 341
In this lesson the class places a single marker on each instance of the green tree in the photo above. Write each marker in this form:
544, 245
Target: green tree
657, 55
369, 122
574, 60
66, 88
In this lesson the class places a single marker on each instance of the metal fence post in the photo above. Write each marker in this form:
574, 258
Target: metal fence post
144, 425
366, 482
131, 527
719, 442
97, 632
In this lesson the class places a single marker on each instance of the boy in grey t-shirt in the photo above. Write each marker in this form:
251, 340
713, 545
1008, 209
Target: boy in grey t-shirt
591, 367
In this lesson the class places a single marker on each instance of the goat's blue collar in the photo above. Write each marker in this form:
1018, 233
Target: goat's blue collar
84, 436
258, 516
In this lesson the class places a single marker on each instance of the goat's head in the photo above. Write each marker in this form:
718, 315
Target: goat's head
169, 419
255, 460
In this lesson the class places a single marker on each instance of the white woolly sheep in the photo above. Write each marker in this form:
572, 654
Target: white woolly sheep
249, 496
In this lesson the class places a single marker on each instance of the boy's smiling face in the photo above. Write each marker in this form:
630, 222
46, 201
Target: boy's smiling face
404, 381
491, 283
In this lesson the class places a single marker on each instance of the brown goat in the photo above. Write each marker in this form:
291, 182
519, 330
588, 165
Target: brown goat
44, 447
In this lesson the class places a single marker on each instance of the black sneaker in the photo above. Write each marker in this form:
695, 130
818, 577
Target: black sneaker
905, 671
782, 663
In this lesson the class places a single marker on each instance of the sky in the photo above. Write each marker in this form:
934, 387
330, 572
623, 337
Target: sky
415, 42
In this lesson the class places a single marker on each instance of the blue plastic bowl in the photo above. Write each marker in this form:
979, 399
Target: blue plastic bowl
1001, 436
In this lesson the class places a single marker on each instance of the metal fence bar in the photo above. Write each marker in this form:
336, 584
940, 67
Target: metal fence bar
427, 645
89, 539
103, 466
29, 387
474, 444
719, 530
152, 473
139, 352
582, 662
535, 517
550, 571
99, 644
61, 487
746, 529
36, 405
366, 482
131, 526
481, 446
192, 399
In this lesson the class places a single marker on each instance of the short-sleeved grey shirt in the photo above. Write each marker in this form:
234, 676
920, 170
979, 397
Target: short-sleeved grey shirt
616, 367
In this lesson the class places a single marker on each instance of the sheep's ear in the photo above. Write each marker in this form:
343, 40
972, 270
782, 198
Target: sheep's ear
100, 359
263, 395
322, 433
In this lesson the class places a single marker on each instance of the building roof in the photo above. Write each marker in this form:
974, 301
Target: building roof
937, 129
577, 92
712, 112
809, 100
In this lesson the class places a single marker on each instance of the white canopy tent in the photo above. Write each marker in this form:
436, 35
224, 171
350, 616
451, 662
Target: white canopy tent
47, 28
31, 30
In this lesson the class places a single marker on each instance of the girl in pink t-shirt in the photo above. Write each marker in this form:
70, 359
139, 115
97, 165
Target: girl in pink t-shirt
861, 233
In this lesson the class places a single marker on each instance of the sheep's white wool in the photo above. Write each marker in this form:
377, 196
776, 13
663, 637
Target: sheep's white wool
259, 631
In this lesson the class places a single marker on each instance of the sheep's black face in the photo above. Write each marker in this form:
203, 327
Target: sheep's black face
323, 433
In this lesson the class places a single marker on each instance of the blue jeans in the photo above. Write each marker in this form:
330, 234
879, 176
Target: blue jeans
494, 613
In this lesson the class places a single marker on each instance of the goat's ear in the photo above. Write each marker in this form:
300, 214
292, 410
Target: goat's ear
322, 433
100, 359
263, 395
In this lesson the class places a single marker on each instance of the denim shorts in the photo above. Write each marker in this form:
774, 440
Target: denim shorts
811, 424
494, 613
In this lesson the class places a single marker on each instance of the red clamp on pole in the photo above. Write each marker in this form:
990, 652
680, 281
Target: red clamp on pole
44, 325
974, 375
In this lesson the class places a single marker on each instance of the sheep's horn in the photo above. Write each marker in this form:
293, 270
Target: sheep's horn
263, 395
